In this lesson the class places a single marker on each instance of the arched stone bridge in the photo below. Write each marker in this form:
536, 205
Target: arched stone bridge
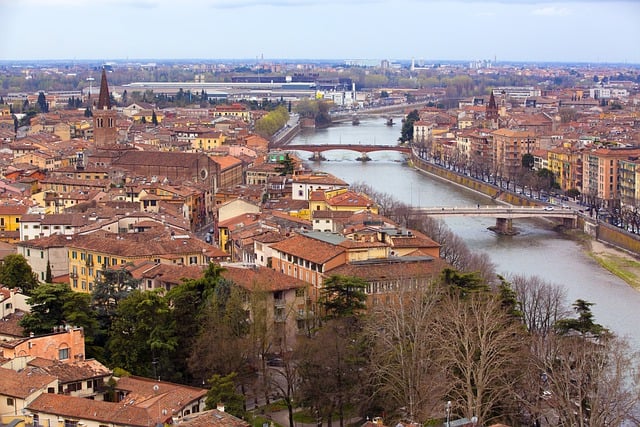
317, 150
504, 214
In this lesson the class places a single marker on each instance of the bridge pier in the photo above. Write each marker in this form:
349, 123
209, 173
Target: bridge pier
317, 156
570, 222
504, 226
364, 158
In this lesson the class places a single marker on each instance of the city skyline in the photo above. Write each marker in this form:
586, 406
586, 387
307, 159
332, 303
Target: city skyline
424, 30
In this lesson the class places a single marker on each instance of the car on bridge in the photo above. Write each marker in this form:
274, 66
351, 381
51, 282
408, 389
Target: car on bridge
548, 208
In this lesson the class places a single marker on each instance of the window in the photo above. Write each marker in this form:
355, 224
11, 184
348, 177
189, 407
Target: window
42, 254
9, 401
63, 353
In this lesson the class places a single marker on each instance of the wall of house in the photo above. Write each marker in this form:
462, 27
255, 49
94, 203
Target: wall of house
50, 346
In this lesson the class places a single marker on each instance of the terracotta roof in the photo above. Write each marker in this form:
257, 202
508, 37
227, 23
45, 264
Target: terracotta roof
24, 383
136, 244
167, 273
392, 268
152, 395
7, 209
309, 249
10, 324
212, 418
351, 199
226, 162
73, 371
261, 279
95, 410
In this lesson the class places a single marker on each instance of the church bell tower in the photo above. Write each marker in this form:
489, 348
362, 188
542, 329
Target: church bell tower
105, 132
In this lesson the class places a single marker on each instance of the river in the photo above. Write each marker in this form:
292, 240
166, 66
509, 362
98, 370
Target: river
536, 250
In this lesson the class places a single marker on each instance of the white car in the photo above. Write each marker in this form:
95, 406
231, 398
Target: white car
548, 208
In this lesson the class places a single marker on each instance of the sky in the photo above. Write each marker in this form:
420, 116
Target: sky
590, 31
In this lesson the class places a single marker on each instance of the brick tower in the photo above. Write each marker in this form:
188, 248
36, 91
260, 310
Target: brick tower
105, 132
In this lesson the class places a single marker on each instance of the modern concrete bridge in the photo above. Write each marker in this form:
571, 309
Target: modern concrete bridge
504, 214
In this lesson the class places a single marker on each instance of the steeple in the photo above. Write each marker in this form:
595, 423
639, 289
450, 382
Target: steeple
492, 108
104, 99
105, 131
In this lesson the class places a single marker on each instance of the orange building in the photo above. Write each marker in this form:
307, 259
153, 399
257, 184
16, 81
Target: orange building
600, 172
66, 344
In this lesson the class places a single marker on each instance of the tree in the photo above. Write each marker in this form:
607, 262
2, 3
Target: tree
330, 366
286, 166
189, 302
403, 370
579, 381
15, 272
223, 391
87, 112
42, 103
223, 326
48, 277
407, 126
55, 304
479, 346
154, 118
343, 296
542, 304
142, 335
527, 161
584, 324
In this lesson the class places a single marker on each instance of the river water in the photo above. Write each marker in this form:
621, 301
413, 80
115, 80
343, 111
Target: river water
536, 250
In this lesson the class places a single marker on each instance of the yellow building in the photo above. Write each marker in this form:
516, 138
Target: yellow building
92, 253
208, 141
146, 116
10, 217
339, 200
232, 110
559, 162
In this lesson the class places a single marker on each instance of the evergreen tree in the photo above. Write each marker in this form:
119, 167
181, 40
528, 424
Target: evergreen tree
223, 391
48, 278
406, 134
42, 103
15, 272
87, 112
343, 296
154, 118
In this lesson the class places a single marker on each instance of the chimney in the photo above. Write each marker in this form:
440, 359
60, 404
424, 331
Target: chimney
220, 407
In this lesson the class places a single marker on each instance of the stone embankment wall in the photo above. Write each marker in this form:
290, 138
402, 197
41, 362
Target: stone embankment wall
284, 136
603, 232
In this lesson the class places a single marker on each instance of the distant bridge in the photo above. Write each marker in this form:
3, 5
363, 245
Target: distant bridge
317, 150
504, 214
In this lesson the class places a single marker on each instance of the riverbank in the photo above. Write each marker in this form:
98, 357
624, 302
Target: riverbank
619, 262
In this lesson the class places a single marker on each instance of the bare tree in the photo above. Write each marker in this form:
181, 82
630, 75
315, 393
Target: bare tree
586, 381
480, 347
403, 369
542, 303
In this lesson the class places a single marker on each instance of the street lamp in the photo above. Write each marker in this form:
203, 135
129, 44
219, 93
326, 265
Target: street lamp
448, 409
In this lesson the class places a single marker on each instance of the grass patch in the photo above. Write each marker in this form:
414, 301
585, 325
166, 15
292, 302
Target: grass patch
304, 417
623, 267
260, 420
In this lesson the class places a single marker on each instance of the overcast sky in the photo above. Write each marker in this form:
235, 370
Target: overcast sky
509, 30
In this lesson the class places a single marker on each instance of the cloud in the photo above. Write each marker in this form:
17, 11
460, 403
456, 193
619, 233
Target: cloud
551, 11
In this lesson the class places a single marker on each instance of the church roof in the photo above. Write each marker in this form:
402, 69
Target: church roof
104, 100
